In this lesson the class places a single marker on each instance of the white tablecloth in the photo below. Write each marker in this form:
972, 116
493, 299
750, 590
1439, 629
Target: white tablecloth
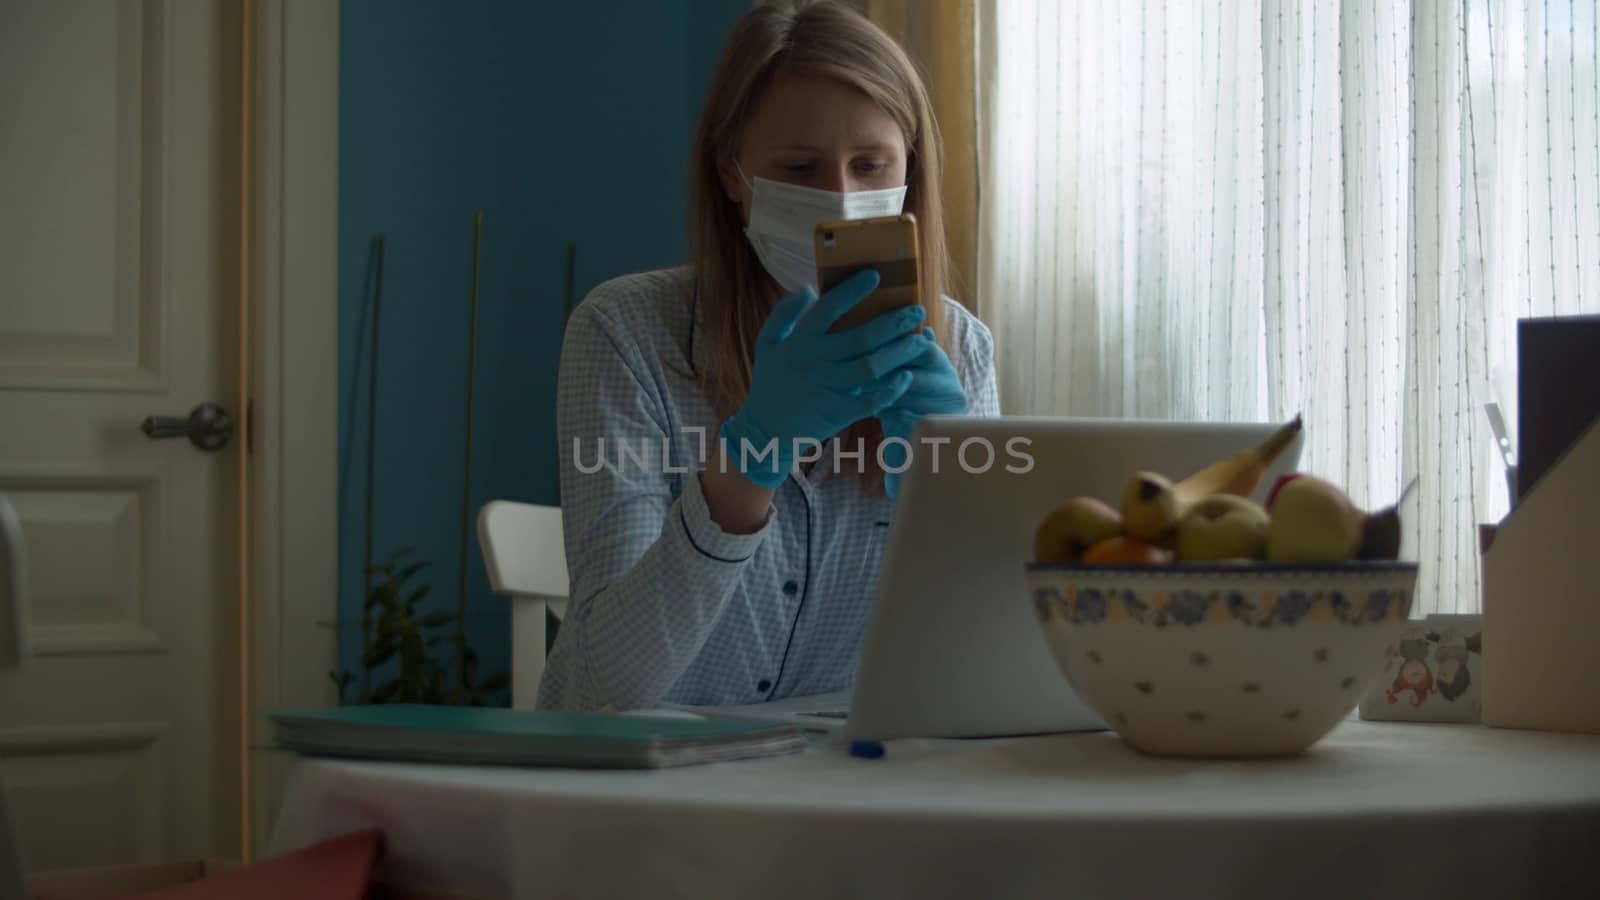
1374, 810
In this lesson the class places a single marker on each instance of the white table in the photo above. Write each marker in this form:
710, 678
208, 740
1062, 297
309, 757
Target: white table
1374, 810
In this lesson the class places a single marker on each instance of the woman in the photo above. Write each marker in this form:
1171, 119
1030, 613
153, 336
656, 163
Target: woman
702, 573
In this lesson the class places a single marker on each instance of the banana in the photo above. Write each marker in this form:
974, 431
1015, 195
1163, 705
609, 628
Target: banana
1240, 473
1149, 506
1152, 505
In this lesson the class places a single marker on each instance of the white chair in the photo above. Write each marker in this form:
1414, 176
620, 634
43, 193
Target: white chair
527, 561
13, 650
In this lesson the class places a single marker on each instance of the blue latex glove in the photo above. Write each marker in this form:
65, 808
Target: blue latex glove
808, 384
935, 390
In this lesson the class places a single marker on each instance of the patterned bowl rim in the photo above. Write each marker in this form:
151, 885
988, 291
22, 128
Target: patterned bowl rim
1185, 569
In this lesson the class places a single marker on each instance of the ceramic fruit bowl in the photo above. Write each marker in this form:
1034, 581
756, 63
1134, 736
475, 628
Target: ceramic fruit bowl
1222, 659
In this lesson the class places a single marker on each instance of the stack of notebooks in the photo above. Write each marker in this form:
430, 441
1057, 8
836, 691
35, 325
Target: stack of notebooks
523, 737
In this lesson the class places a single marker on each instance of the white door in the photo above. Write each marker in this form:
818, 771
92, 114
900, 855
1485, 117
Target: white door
119, 299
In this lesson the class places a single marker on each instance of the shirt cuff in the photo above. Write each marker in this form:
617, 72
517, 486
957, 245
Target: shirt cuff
707, 536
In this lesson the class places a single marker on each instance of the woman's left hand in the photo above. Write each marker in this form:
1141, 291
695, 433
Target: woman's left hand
935, 390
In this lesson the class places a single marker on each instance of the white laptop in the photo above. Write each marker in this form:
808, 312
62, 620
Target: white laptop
13, 653
953, 649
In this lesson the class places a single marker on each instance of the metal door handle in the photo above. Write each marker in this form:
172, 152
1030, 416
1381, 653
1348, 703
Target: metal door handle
208, 427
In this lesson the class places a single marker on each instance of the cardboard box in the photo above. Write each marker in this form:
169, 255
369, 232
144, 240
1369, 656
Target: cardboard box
1541, 600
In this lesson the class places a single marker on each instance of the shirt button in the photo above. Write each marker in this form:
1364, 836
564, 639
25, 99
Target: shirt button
763, 685
791, 587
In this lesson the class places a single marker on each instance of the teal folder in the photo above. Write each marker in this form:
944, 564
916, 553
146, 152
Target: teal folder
524, 737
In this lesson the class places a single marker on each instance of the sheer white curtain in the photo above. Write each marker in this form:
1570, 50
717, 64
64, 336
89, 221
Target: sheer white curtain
1245, 209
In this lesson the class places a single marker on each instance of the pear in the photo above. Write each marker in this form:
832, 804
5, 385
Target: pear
1380, 532
1380, 535
1073, 527
1223, 526
1313, 522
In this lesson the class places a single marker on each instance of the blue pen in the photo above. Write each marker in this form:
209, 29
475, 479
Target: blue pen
866, 749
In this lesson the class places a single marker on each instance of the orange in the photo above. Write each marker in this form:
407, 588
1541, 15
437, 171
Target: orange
1127, 551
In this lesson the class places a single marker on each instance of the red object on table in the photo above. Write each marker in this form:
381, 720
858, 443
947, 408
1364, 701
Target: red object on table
337, 869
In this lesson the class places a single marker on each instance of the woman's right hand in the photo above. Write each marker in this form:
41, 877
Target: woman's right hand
808, 385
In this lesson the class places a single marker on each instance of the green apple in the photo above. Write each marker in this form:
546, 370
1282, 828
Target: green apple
1313, 522
1223, 526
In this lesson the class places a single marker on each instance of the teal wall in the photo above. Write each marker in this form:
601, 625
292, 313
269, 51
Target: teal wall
563, 121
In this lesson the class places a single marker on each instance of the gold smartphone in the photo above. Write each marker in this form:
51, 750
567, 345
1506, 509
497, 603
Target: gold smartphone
885, 243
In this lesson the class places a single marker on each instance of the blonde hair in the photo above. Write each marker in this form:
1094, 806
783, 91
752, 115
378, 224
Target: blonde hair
818, 39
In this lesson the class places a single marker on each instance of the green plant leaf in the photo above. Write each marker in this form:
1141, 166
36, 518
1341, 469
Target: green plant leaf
436, 619
340, 682
434, 690
386, 595
390, 620
413, 569
412, 655
378, 654
418, 594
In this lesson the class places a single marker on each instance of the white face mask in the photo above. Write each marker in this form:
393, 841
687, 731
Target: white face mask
783, 218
